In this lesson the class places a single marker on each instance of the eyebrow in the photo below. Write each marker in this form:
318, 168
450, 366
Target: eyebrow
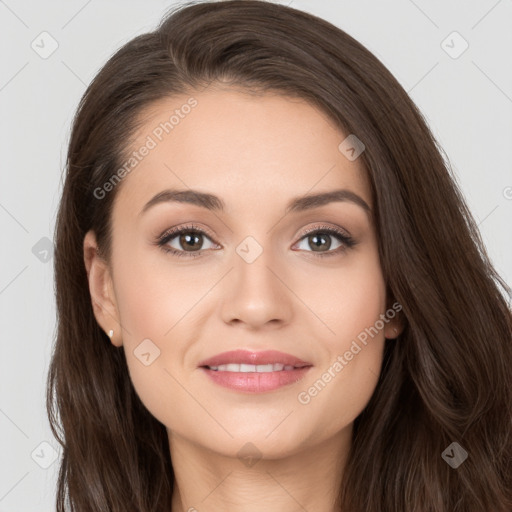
214, 203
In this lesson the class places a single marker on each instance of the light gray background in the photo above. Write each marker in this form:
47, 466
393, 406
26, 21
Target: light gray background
466, 100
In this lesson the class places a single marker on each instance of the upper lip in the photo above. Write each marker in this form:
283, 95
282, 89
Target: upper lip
256, 358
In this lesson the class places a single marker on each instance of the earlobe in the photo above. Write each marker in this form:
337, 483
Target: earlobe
396, 321
101, 289
391, 333
393, 329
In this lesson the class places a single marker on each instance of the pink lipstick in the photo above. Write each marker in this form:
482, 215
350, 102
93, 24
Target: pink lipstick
254, 372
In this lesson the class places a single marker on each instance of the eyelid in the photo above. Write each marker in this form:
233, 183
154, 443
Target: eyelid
325, 227
176, 230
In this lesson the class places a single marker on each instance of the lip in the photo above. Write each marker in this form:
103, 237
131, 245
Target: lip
248, 357
255, 382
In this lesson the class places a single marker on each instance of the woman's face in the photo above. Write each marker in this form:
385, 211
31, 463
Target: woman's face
252, 280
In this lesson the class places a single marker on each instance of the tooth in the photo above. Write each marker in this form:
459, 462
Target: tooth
263, 368
224, 367
251, 368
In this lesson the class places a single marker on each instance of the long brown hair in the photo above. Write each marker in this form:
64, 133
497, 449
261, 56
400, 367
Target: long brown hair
445, 379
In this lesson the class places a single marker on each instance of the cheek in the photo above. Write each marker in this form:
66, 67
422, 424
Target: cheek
154, 294
346, 300
342, 386
156, 305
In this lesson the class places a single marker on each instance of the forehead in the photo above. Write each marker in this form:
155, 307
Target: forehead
246, 148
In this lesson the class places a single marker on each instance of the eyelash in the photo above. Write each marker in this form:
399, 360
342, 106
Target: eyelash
347, 241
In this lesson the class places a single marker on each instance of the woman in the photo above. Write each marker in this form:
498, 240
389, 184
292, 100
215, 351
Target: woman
271, 292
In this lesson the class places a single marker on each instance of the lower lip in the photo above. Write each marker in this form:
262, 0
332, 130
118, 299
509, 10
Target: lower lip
254, 382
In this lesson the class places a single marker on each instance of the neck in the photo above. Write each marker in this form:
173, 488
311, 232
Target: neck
308, 479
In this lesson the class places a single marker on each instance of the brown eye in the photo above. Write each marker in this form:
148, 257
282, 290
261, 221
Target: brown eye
191, 241
185, 241
319, 241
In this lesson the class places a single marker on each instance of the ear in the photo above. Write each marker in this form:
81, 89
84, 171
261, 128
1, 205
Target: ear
396, 323
101, 289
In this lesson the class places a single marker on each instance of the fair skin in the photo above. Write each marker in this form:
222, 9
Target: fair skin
256, 153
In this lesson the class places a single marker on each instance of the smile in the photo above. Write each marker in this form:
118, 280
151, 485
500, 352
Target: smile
252, 368
254, 372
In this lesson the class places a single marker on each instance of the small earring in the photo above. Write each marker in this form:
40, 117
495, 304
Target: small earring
394, 329
110, 333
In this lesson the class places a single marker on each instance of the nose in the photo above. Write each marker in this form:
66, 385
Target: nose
256, 294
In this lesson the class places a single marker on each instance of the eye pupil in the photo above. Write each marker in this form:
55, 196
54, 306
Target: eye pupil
318, 241
187, 240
